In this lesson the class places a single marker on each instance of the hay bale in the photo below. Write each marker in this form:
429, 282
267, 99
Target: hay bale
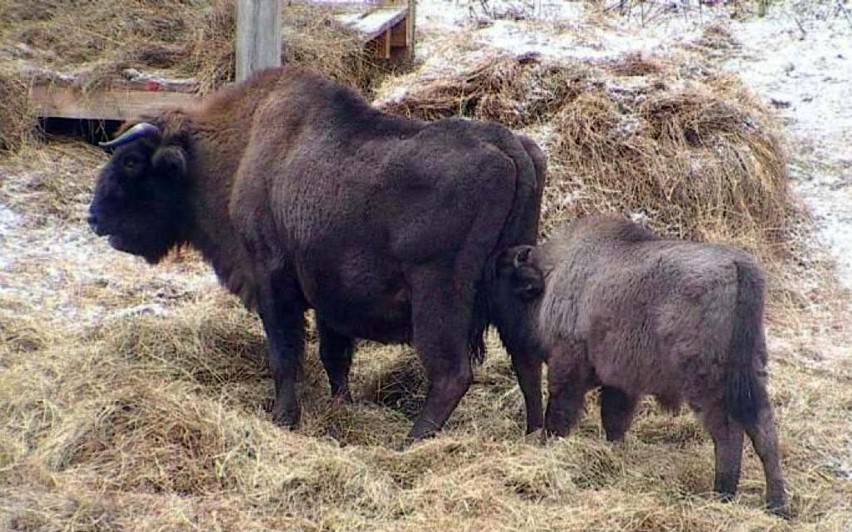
674, 143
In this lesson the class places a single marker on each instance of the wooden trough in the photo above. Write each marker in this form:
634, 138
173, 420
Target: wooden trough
386, 28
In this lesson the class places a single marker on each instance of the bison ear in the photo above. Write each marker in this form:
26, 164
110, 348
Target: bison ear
170, 160
521, 255
528, 282
512, 258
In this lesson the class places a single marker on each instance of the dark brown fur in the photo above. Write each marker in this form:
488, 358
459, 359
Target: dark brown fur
605, 303
301, 195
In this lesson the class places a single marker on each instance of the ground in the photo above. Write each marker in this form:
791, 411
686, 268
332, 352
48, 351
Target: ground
131, 396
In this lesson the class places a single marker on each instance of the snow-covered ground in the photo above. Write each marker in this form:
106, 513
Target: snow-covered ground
801, 59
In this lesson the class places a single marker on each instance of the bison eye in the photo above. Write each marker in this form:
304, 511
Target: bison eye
131, 163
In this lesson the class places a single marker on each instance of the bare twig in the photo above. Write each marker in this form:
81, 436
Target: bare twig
801, 28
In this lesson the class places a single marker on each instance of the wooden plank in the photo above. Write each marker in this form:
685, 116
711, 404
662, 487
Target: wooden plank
374, 23
258, 36
52, 101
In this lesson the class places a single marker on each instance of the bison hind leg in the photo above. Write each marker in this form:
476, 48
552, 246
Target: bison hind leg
765, 441
617, 409
727, 437
441, 321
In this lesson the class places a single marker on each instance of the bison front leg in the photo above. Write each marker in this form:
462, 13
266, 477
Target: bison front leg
528, 371
568, 380
283, 318
617, 409
336, 355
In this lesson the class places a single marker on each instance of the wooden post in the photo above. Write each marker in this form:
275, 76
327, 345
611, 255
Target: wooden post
258, 36
409, 30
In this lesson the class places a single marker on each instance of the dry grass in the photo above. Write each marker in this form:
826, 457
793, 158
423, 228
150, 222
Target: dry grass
153, 422
191, 38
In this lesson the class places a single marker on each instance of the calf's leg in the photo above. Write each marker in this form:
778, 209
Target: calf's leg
617, 409
765, 442
568, 377
728, 446
336, 354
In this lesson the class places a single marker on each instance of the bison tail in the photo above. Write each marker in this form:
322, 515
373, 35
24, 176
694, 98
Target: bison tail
744, 393
519, 227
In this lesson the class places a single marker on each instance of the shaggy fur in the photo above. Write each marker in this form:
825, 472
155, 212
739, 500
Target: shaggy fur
301, 195
605, 303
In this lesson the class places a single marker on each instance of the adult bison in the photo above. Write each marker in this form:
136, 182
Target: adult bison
301, 195
606, 303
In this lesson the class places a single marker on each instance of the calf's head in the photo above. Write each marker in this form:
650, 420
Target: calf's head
518, 273
512, 297
140, 195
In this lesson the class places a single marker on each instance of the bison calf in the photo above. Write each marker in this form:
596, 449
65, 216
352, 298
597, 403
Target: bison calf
607, 303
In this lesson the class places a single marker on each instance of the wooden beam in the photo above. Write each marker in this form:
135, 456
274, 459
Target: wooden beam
258, 36
107, 104
407, 32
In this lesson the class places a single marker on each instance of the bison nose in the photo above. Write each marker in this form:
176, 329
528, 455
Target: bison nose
93, 223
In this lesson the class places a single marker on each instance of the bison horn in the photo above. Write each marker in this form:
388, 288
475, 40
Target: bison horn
142, 129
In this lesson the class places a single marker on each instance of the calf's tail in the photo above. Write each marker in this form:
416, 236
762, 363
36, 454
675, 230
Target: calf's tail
744, 393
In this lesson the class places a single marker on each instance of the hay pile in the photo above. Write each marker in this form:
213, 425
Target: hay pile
17, 117
677, 144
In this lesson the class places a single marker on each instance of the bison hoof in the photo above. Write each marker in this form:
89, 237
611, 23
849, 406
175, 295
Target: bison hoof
780, 508
342, 397
726, 496
554, 430
615, 437
286, 415
420, 432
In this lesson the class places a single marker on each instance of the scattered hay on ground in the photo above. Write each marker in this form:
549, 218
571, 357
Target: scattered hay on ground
58, 182
155, 422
